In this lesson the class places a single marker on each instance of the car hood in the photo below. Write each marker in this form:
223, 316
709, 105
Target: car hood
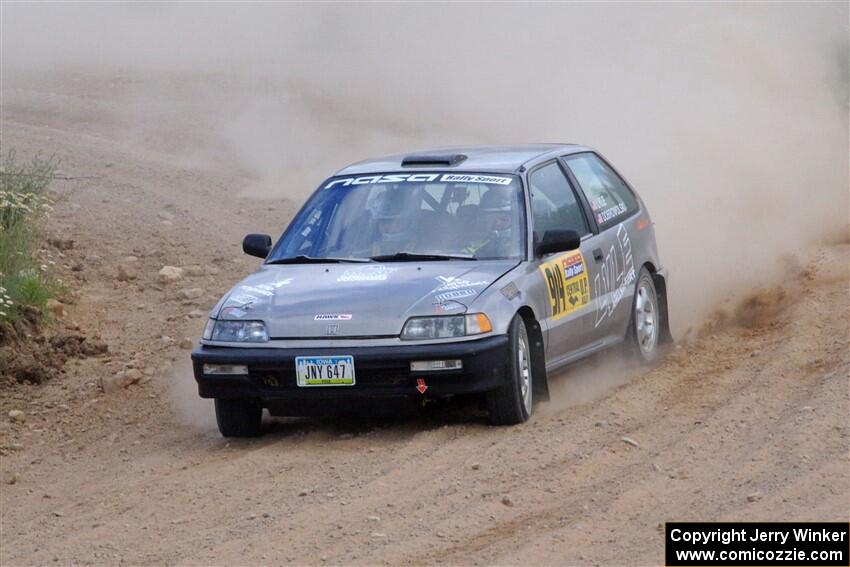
356, 300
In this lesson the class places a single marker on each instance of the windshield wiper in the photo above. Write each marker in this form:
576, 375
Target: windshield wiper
412, 256
304, 259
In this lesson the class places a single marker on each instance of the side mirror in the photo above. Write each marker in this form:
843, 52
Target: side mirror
558, 241
258, 245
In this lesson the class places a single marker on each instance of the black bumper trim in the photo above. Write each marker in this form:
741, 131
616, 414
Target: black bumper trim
381, 371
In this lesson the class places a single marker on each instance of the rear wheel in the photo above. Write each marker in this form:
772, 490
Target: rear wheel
238, 418
512, 402
645, 325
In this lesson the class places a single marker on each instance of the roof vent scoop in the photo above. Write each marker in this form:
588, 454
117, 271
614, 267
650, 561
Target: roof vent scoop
432, 160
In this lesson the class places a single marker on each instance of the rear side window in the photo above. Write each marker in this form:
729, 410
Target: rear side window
609, 197
553, 203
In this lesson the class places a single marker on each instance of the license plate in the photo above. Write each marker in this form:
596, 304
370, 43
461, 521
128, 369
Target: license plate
324, 370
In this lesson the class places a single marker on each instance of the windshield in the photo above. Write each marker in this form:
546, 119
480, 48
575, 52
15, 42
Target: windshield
409, 216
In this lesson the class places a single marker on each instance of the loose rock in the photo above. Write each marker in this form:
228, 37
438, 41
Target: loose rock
126, 272
170, 274
17, 416
190, 293
120, 380
132, 376
56, 308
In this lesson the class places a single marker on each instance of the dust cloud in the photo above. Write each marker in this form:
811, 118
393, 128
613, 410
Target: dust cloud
191, 410
730, 119
588, 379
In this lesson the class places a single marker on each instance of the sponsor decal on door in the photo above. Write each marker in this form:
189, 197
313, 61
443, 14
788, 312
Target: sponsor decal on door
566, 281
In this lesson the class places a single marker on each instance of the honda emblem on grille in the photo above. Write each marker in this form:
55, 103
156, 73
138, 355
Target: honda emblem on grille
333, 328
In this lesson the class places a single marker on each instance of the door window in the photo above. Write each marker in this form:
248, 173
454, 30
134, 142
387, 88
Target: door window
610, 198
553, 202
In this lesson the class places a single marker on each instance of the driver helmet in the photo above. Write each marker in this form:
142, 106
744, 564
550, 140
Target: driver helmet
391, 211
496, 206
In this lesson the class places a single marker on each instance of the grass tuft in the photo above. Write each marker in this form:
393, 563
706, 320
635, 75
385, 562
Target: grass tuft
23, 203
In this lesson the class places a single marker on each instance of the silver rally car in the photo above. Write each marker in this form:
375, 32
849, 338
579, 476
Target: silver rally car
474, 270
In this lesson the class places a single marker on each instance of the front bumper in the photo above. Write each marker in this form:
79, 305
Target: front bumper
380, 372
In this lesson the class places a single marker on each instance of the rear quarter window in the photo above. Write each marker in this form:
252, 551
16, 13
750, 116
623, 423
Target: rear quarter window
609, 197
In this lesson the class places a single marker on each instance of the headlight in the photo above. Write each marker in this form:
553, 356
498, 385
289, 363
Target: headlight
445, 326
239, 332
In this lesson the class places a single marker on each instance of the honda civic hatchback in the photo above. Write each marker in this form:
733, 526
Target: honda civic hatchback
476, 270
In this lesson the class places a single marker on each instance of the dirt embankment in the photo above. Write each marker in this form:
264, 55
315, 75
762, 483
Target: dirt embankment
746, 421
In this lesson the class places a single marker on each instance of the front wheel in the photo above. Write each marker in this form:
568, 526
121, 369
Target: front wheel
238, 418
645, 324
511, 403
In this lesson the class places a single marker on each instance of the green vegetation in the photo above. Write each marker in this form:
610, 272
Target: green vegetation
23, 202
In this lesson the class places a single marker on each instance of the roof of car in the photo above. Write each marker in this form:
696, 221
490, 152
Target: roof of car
490, 159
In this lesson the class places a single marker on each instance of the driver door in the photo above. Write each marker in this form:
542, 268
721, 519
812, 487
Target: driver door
567, 275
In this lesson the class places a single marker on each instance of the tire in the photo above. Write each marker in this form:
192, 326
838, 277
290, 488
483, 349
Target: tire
511, 403
238, 418
645, 322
